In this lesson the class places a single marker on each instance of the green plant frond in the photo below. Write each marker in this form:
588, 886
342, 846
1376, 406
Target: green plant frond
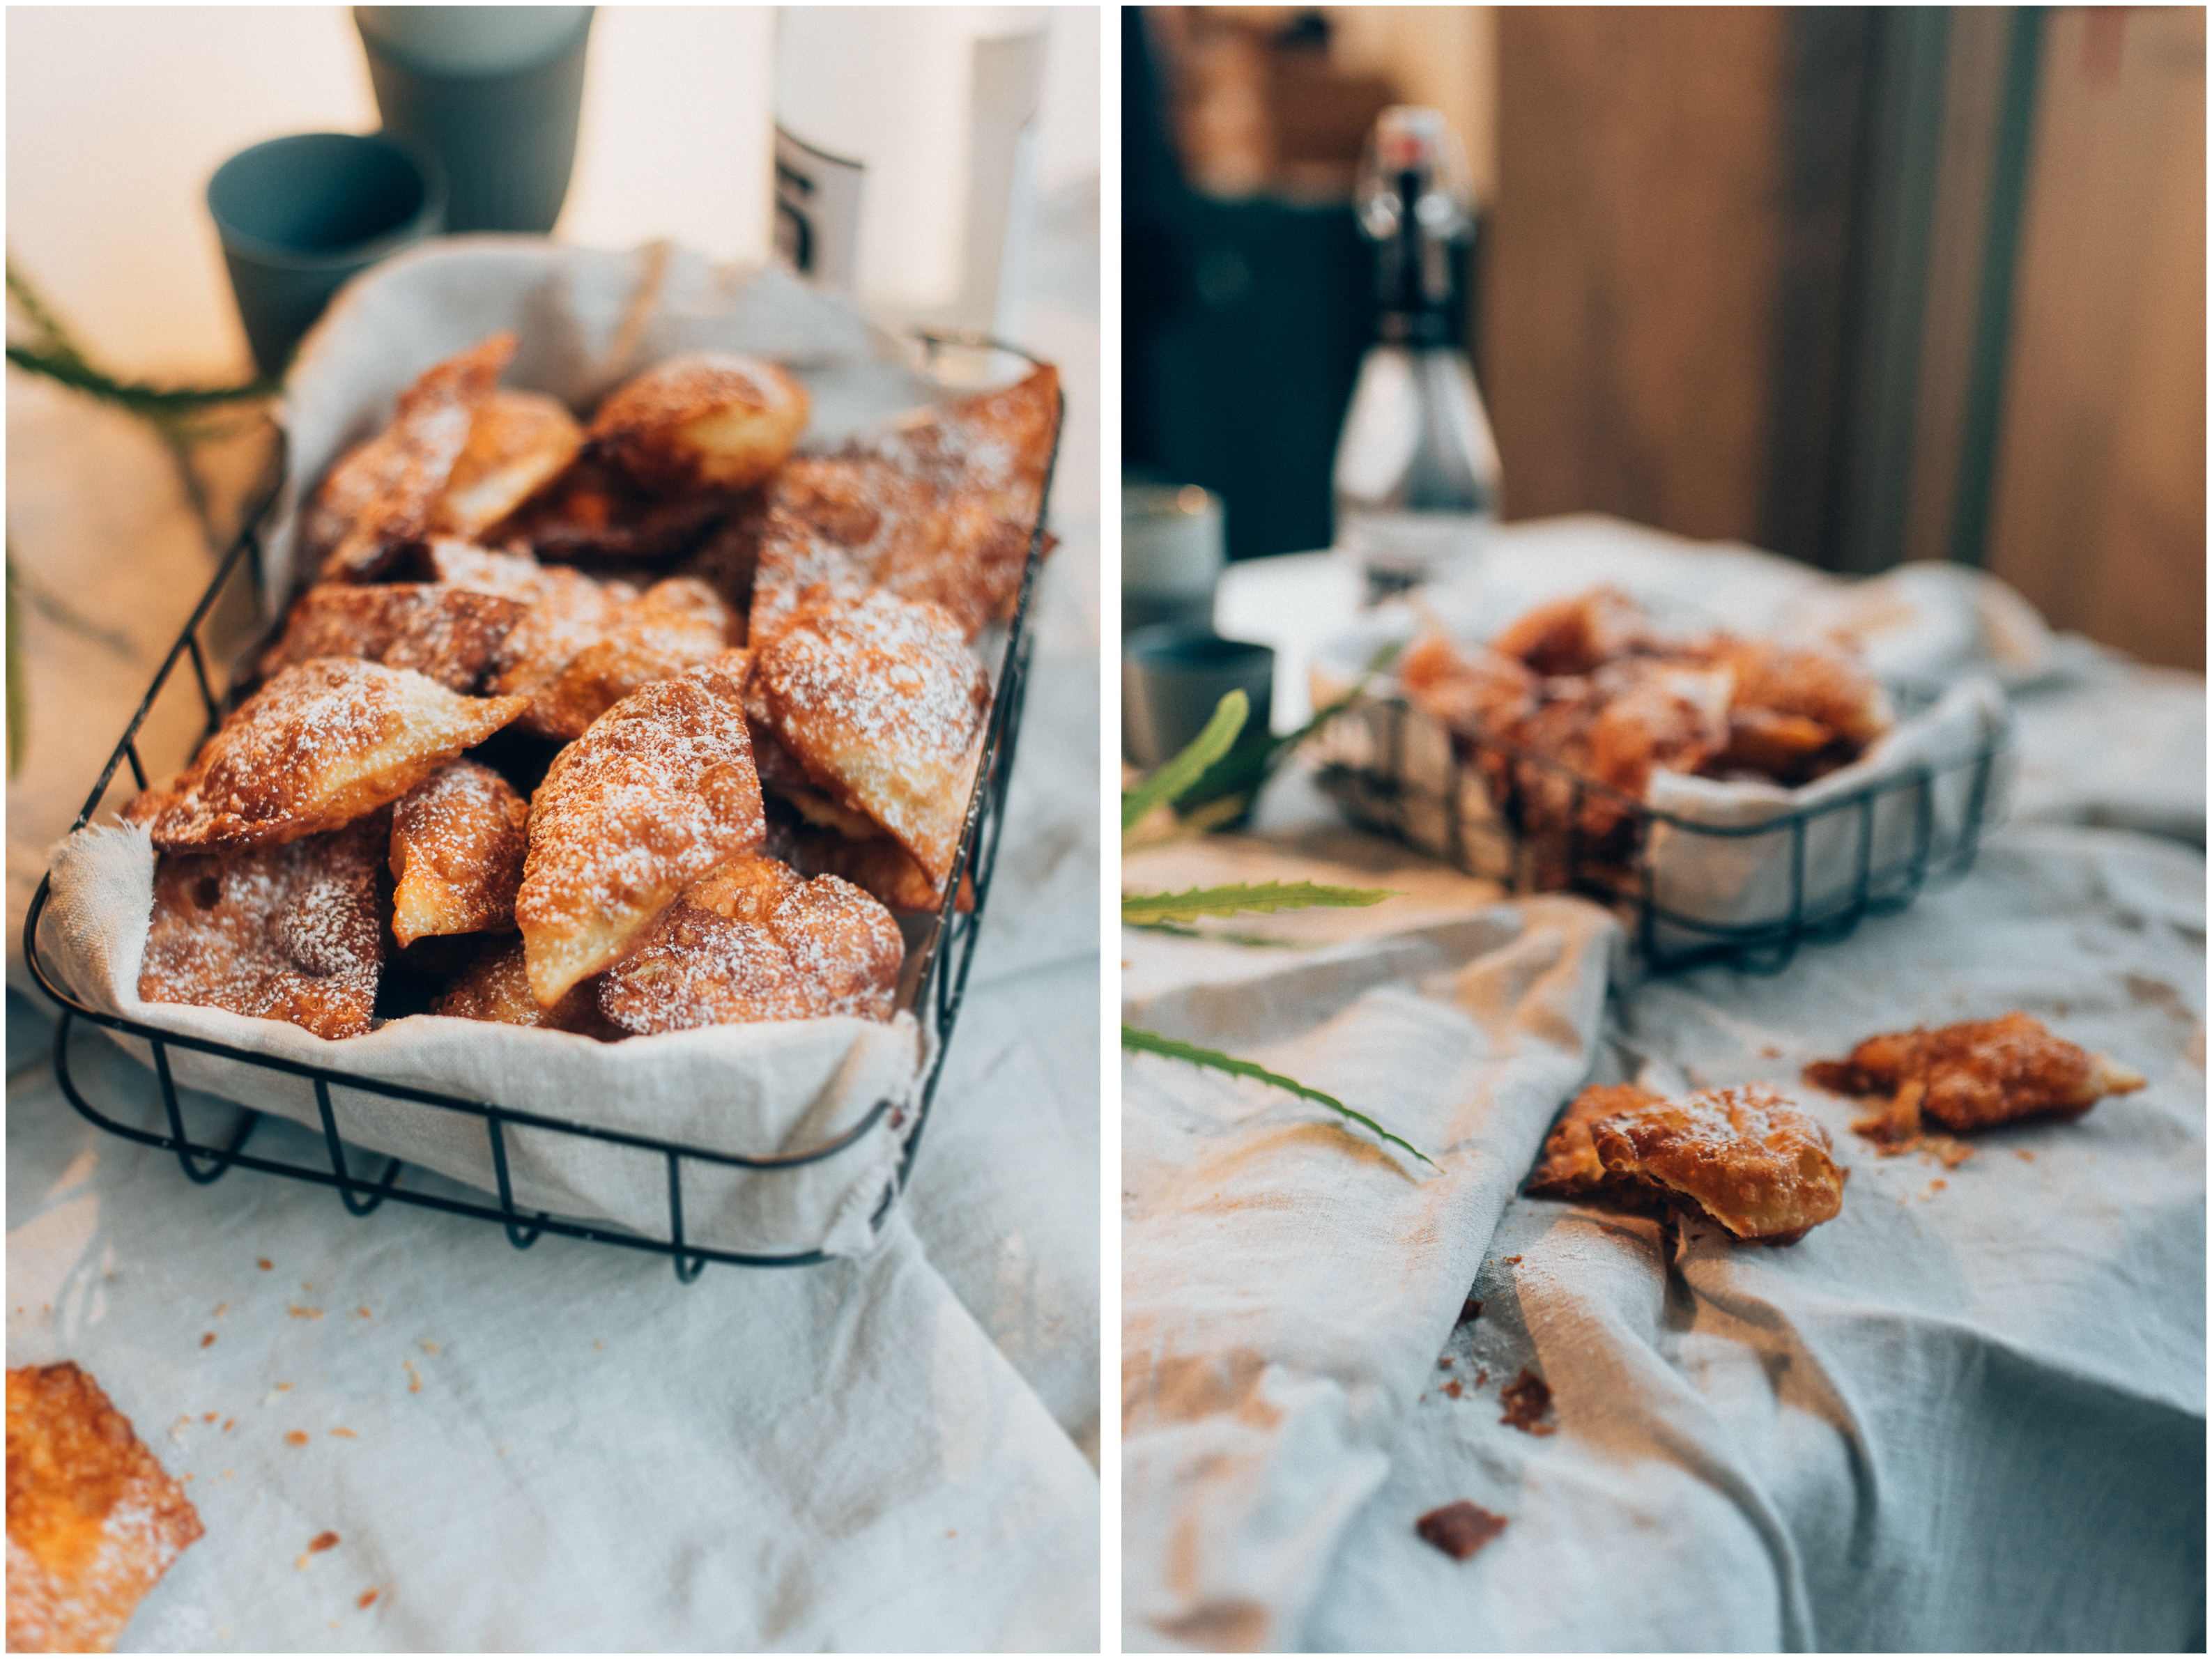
1170, 781
71, 370
1151, 1043
1141, 910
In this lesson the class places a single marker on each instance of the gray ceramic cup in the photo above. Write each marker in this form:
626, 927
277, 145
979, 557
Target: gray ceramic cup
1174, 676
299, 215
494, 93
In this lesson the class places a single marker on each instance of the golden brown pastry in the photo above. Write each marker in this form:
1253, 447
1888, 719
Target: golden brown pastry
695, 968
591, 511
1575, 635
1570, 1166
1975, 1075
1745, 1156
940, 511
672, 626
517, 442
386, 494
846, 946
445, 632
324, 741
709, 419
457, 845
878, 866
660, 791
883, 705
92, 1521
565, 613
496, 987
292, 933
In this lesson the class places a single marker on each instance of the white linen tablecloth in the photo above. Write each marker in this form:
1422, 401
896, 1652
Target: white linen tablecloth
1968, 1413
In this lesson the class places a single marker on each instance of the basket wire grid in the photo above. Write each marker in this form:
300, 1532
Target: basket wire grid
932, 990
1383, 797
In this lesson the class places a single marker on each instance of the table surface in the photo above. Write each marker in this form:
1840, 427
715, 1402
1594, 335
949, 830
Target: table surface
563, 1448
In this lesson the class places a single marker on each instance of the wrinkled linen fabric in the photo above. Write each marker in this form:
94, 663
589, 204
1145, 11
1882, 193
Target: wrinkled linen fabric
1968, 1413
1286, 1278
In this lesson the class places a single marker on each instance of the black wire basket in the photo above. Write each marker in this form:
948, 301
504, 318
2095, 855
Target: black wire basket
932, 983
1525, 820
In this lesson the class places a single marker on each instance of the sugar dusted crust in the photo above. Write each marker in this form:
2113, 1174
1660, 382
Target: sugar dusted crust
709, 418
659, 792
1745, 1156
291, 932
496, 987
456, 843
93, 1520
1571, 1165
884, 706
324, 741
448, 633
518, 441
674, 625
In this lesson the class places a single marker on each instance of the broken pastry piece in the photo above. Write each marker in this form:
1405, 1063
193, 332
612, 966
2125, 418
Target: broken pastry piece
448, 633
659, 792
383, 496
93, 1520
709, 419
1971, 1076
884, 706
517, 442
324, 741
456, 843
1744, 1155
293, 932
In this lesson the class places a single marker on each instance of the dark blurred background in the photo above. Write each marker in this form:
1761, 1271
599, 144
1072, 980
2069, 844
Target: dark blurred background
1857, 284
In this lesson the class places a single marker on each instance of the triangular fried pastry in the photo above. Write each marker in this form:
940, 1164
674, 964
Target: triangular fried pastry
457, 845
940, 510
879, 867
846, 944
1745, 1156
657, 793
671, 626
324, 741
291, 932
93, 1520
446, 632
1979, 1074
399, 476
884, 706
518, 441
697, 968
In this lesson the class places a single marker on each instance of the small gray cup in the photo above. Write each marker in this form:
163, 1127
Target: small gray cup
299, 215
494, 93
1174, 676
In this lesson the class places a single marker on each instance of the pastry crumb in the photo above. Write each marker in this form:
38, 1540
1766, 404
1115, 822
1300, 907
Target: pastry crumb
1528, 1401
1459, 1529
264, 1264
297, 1437
321, 1542
367, 1597
1469, 1311
1454, 1389
208, 1341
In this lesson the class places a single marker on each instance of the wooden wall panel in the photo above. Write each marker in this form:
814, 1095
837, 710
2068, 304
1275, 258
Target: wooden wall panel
2100, 513
1631, 279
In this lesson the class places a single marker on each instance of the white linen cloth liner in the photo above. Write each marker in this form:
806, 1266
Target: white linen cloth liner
1285, 1280
586, 319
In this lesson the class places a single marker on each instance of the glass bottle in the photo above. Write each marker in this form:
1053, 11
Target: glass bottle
1416, 479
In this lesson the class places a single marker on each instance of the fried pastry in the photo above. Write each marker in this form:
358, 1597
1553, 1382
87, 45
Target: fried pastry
93, 1520
660, 791
565, 613
1975, 1075
496, 987
1745, 1156
1570, 1166
879, 867
457, 845
397, 481
939, 511
324, 741
1575, 636
846, 946
1656, 715
292, 933
593, 512
749, 888
517, 442
448, 633
1479, 692
709, 419
883, 705
697, 968
672, 626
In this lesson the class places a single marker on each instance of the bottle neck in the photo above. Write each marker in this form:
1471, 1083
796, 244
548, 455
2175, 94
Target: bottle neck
1415, 274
